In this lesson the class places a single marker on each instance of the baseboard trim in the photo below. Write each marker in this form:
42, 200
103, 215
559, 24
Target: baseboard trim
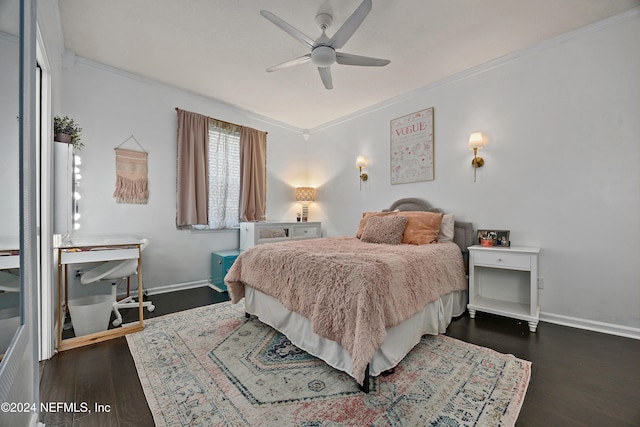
591, 325
176, 287
215, 288
173, 288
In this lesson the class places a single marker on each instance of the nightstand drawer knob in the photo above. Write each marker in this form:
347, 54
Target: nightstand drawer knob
499, 259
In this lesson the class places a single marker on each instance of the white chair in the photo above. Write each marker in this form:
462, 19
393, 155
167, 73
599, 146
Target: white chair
115, 271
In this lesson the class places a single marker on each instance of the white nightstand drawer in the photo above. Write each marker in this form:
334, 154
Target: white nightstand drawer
503, 260
307, 232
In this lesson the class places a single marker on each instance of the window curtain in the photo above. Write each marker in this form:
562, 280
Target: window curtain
193, 160
253, 174
224, 174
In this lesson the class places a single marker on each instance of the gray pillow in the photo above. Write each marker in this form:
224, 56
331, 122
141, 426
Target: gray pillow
384, 229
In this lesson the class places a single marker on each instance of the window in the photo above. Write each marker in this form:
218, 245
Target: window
221, 173
224, 175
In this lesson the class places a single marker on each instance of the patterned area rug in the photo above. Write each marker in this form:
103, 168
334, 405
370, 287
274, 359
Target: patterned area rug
210, 366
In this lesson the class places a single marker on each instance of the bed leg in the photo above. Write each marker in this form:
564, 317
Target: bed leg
365, 383
388, 372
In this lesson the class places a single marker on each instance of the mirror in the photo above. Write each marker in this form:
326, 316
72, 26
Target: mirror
274, 233
9, 172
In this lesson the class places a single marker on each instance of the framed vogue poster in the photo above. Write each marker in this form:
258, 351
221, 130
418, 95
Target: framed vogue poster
412, 147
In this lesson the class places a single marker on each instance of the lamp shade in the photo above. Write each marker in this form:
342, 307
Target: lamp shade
361, 161
476, 140
305, 194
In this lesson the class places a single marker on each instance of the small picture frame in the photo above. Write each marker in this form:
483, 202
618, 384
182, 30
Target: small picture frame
489, 238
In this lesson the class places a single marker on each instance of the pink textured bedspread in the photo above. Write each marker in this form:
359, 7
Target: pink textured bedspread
350, 290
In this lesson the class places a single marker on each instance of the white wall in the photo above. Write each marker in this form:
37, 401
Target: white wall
9, 79
111, 105
561, 167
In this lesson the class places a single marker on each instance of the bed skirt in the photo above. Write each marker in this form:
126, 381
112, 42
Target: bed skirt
400, 339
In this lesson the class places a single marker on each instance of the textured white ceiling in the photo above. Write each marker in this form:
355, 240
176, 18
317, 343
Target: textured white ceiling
221, 48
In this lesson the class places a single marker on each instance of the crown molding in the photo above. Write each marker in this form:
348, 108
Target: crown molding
487, 66
70, 59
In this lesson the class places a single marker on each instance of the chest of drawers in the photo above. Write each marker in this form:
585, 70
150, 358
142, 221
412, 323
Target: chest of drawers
255, 233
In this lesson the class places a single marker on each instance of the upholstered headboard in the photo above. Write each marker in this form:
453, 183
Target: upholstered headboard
463, 231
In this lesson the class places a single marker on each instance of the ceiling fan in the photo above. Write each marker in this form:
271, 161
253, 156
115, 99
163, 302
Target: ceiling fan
323, 50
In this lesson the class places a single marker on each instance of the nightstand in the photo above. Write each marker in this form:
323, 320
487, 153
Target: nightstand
221, 262
504, 281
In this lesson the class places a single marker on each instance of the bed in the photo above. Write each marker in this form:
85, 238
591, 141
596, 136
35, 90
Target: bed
359, 304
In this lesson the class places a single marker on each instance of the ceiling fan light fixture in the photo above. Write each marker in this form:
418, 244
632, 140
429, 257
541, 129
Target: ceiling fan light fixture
323, 56
323, 49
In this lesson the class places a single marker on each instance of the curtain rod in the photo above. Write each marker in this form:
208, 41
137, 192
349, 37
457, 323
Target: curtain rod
222, 121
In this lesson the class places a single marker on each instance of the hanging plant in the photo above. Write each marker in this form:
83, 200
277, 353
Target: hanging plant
66, 130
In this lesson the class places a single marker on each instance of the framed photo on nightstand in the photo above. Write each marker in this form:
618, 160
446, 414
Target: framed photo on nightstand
490, 238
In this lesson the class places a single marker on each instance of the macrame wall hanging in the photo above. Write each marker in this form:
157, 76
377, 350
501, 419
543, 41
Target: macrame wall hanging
132, 183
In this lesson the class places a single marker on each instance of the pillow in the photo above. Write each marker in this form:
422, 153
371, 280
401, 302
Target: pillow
384, 229
365, 218
446, 229
422, 227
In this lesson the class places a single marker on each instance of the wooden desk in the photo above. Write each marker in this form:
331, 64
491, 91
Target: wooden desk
9, 287
84, 249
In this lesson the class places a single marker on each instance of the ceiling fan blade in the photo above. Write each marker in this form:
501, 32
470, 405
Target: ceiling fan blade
349, 59
292, 31
325, 75
350, 26
290, 63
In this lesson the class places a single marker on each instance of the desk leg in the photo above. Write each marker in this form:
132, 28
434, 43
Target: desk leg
66, 290
59, 299
140, 307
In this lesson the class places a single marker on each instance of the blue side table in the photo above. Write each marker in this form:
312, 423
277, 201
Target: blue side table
221, 262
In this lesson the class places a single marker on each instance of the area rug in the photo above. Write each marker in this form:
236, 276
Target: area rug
210, 366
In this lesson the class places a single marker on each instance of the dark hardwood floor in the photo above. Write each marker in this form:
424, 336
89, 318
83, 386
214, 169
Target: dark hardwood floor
579, 378
105, 374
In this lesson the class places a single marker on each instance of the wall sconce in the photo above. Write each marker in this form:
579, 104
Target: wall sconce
476, 140
305, 195
361, 162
